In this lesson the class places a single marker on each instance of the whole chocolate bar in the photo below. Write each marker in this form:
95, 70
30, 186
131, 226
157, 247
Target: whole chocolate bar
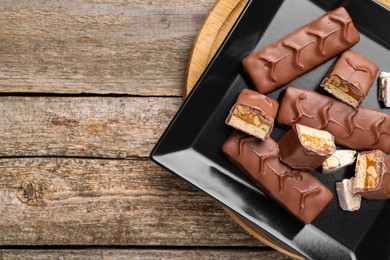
362, 129
305, 148
351, 78
372, 175
253, 114
298, 191
301, 50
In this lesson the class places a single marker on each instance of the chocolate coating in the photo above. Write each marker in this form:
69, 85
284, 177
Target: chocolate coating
254, 99
266, 108
382, 190
301, 50
362, 129
299, 192
297, 156
356, 71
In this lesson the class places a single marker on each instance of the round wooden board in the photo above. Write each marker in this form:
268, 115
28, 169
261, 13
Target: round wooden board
211, 35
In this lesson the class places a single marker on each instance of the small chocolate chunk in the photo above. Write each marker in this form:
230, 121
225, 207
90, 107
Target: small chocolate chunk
384, 88
347, 199
298, 191
301, 50
372, 175
339, 159
306, 148
351, 78
253, 114
362, 129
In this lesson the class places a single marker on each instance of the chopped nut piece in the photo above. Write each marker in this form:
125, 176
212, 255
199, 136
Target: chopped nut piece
371, 171
339, 159
253, 114
371, 157
256, 121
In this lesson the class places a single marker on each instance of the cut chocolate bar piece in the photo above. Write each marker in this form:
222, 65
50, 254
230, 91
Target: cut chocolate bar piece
372, 175
298, 191
338, 160
301, 50
347, 199
351, 78
306, 148
384, 88
362, 129
253, 114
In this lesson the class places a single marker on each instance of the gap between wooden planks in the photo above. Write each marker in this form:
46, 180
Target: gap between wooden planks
96, 254
210, 37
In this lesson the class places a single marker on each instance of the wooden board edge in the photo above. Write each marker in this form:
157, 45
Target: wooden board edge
210, 37
212, 33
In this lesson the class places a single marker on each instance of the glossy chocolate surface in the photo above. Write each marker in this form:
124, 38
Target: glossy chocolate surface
297, 156
301, 50
298, 191
362, 129
191, 146
258, 101
382, 190
258, 105
357, 71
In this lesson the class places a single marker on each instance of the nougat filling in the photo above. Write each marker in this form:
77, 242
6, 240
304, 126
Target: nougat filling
250, 120
315, 139
342, 90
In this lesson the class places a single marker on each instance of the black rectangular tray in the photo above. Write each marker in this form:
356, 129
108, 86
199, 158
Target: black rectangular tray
191, 145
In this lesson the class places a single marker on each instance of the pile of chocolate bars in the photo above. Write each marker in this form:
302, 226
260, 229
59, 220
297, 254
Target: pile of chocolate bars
318, 122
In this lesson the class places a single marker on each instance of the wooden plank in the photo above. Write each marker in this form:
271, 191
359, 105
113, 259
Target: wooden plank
141, 254
107, 127
81, 46
57, 201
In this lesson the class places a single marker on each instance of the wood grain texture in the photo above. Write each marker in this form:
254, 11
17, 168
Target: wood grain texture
385, 2
210, 37
56, 201
138, 47
106, 127
141, 254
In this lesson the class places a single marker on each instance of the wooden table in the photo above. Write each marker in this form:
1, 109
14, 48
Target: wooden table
87, 88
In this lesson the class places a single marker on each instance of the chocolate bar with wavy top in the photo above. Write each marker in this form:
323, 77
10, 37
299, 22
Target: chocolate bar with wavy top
306, 148
351, 78
253, 113
362, 129
372, 175
301, 50
298, 191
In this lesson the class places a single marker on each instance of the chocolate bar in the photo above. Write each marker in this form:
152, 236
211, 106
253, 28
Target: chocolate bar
351, 78
347, 199
339, 159
298, 191
253, 114
384, 88
372, 175
362, 129
301, 50
305, 148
